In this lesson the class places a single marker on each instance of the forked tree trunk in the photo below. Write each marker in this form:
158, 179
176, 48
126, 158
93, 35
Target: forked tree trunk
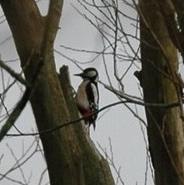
71, 157
161, 85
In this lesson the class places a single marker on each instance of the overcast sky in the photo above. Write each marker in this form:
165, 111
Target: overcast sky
118, 123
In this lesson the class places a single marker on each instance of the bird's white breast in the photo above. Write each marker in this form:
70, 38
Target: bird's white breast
81, 97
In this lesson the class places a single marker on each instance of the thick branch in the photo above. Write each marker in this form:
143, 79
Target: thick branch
15, 114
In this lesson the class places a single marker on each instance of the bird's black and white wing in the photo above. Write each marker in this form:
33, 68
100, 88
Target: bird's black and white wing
93, 98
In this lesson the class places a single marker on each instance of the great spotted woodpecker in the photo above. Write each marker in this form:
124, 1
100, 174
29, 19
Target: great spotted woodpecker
87, 97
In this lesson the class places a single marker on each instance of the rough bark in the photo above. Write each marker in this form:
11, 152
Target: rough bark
165, 126
70, 155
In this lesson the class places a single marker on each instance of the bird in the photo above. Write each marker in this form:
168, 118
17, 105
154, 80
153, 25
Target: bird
87, 96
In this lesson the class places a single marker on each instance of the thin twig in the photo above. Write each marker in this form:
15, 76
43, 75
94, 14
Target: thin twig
47, 131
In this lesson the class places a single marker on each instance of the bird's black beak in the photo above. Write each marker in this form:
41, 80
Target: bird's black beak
80, 74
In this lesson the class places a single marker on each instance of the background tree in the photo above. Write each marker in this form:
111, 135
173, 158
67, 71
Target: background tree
160, 38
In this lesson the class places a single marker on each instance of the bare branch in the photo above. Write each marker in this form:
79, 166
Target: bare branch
13, 73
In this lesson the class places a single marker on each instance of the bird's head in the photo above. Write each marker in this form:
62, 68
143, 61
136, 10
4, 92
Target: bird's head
89, 74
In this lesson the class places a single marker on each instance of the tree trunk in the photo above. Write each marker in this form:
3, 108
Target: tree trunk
71, 157
161, 85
